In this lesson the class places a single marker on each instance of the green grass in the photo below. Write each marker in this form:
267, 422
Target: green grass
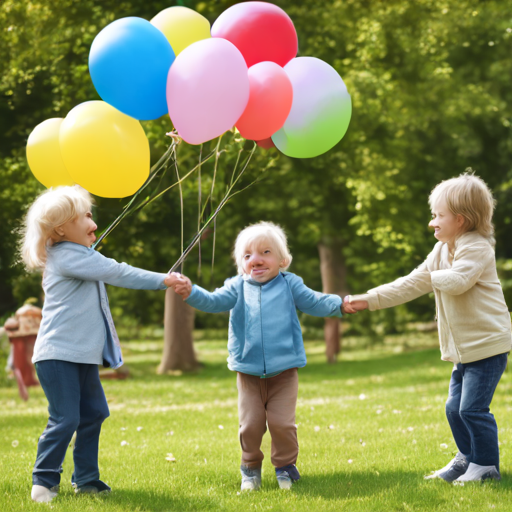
370, 427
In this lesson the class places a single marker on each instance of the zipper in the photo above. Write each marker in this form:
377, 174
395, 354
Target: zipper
262, 343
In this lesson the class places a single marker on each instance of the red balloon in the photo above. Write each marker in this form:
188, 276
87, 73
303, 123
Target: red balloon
266, 144
261, 31
270, 101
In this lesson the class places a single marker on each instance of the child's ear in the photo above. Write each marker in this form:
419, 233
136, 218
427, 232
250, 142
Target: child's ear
59, 232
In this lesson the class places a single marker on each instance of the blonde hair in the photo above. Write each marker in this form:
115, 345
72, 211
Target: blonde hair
256, 234
51, 209
469, 196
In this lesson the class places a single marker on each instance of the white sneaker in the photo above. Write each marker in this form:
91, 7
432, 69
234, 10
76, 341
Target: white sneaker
476, 473
42, 494
284, 481
251, 478
286, 475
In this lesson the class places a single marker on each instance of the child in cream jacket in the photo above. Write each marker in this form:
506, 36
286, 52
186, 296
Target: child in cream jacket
473, 319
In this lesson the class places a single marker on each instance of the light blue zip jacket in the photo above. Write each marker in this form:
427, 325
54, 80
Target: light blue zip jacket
77, 325
265, 337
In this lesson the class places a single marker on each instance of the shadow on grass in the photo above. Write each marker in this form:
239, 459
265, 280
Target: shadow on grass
340, 486
158, 501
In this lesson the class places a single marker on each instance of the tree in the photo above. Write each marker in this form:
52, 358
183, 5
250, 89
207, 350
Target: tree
178, 351
430, 84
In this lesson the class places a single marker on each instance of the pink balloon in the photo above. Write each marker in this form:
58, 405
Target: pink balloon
270, 101
207, 90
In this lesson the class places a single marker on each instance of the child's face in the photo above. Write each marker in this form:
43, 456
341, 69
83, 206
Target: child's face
80, 230
261, 262
447, 226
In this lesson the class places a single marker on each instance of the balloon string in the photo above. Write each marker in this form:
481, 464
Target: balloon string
127, 209
199, 201
212, 217
180, 188
130, 208
217, 155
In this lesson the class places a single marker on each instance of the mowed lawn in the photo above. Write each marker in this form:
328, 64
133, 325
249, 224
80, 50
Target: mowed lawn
370, 427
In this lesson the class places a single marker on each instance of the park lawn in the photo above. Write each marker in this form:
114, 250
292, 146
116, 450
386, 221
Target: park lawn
370, 427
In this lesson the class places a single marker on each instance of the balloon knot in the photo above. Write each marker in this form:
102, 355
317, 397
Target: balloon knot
174, 136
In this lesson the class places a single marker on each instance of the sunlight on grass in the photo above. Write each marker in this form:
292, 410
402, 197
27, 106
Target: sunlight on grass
370, 427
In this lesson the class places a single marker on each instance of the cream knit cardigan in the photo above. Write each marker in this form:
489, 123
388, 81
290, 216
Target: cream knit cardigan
473, 319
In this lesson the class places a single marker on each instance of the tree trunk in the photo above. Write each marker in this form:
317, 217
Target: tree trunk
179, 354
333, 271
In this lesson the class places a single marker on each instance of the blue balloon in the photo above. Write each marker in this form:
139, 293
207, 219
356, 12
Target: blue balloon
129, 61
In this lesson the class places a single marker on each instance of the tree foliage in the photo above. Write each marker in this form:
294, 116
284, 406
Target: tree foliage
430, 84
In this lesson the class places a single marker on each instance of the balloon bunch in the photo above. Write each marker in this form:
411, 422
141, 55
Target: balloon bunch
243, 72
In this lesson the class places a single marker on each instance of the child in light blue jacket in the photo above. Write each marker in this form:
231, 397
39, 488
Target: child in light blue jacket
76, 334
265, 344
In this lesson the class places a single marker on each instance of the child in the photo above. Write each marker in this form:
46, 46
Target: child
265, 344
76, 333
474, 322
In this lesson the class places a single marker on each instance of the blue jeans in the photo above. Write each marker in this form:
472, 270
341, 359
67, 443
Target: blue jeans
76, 403
473, 426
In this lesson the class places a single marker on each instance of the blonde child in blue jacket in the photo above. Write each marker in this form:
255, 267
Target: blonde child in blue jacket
265, 344
76, 334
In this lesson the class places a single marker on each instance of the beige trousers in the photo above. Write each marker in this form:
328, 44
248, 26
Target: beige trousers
268, 401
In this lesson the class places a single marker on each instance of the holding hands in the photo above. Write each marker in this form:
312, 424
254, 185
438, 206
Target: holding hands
180, 284
352, 306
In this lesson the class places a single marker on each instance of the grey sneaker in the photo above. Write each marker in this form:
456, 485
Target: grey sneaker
476, 473
453, 470
94, 487
251, 478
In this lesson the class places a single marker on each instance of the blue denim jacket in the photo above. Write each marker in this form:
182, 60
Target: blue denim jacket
77, 325
264, 331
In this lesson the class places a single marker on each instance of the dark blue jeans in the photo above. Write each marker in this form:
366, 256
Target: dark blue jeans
76, 403
473, 426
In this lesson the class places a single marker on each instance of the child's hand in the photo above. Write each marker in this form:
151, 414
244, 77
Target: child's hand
172, 279
353, 306
183, 286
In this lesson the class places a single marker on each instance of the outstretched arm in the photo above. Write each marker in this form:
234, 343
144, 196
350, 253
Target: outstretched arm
403, 290
311, 302
80, 262
222, 299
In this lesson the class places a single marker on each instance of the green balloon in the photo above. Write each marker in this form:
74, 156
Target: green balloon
321, 109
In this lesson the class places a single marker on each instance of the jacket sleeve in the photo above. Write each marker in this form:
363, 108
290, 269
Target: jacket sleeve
468, 264
222, 299
311, 302
89, 265
403, 290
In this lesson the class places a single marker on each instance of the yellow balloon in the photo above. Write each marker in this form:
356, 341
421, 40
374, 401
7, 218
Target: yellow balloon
182, 26
105, 151
44, 156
